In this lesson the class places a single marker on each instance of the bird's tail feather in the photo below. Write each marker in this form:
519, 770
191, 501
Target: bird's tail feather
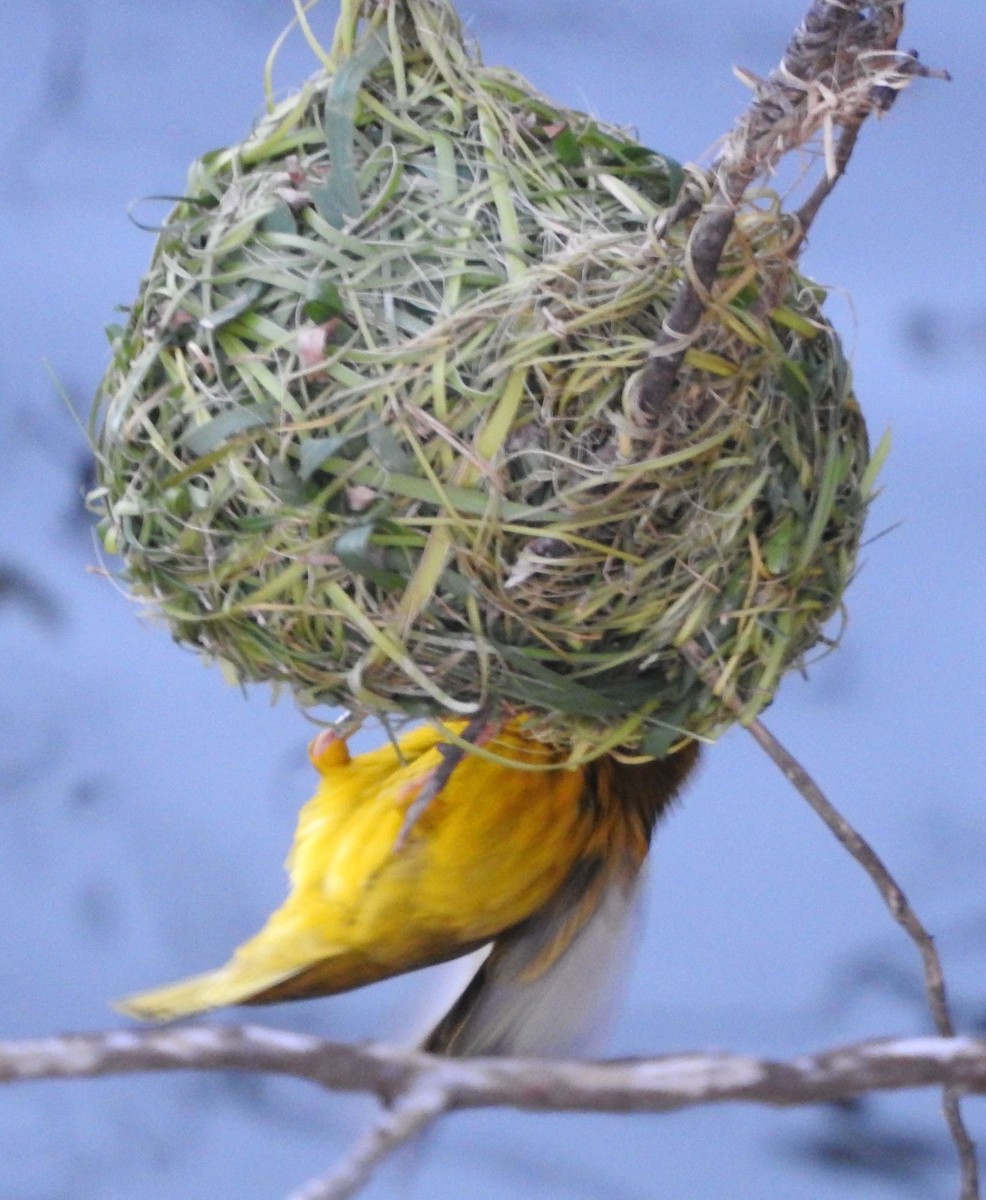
546, 984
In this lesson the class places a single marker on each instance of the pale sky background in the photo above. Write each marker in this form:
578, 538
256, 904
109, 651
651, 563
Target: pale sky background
145, 807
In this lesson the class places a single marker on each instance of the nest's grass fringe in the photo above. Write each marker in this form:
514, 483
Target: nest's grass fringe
370, 430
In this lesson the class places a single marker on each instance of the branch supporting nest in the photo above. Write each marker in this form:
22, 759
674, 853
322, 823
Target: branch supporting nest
841, 65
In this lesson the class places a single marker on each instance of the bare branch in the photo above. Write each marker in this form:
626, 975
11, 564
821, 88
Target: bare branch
206, 1048
426, 1084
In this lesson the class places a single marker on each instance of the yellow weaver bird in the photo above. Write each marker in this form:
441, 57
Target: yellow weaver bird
541, 864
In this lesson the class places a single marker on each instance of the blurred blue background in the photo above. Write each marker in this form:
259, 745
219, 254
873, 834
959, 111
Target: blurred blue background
145, 806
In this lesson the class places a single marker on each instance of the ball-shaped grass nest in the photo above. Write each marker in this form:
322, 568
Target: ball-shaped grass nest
370, 430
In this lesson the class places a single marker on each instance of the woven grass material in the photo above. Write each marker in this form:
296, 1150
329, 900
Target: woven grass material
369, 430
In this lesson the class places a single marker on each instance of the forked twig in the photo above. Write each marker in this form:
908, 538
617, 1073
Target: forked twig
840, 66
891, 892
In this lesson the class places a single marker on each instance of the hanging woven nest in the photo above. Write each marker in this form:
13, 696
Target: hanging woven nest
370, 428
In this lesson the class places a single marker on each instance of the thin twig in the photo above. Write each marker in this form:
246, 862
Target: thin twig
905, 915
809, 210
891, 892
881, 98
902, 912
408, 1117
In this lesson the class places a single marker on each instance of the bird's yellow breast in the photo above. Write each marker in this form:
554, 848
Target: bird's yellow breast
370, 898
486, 851
379, 888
